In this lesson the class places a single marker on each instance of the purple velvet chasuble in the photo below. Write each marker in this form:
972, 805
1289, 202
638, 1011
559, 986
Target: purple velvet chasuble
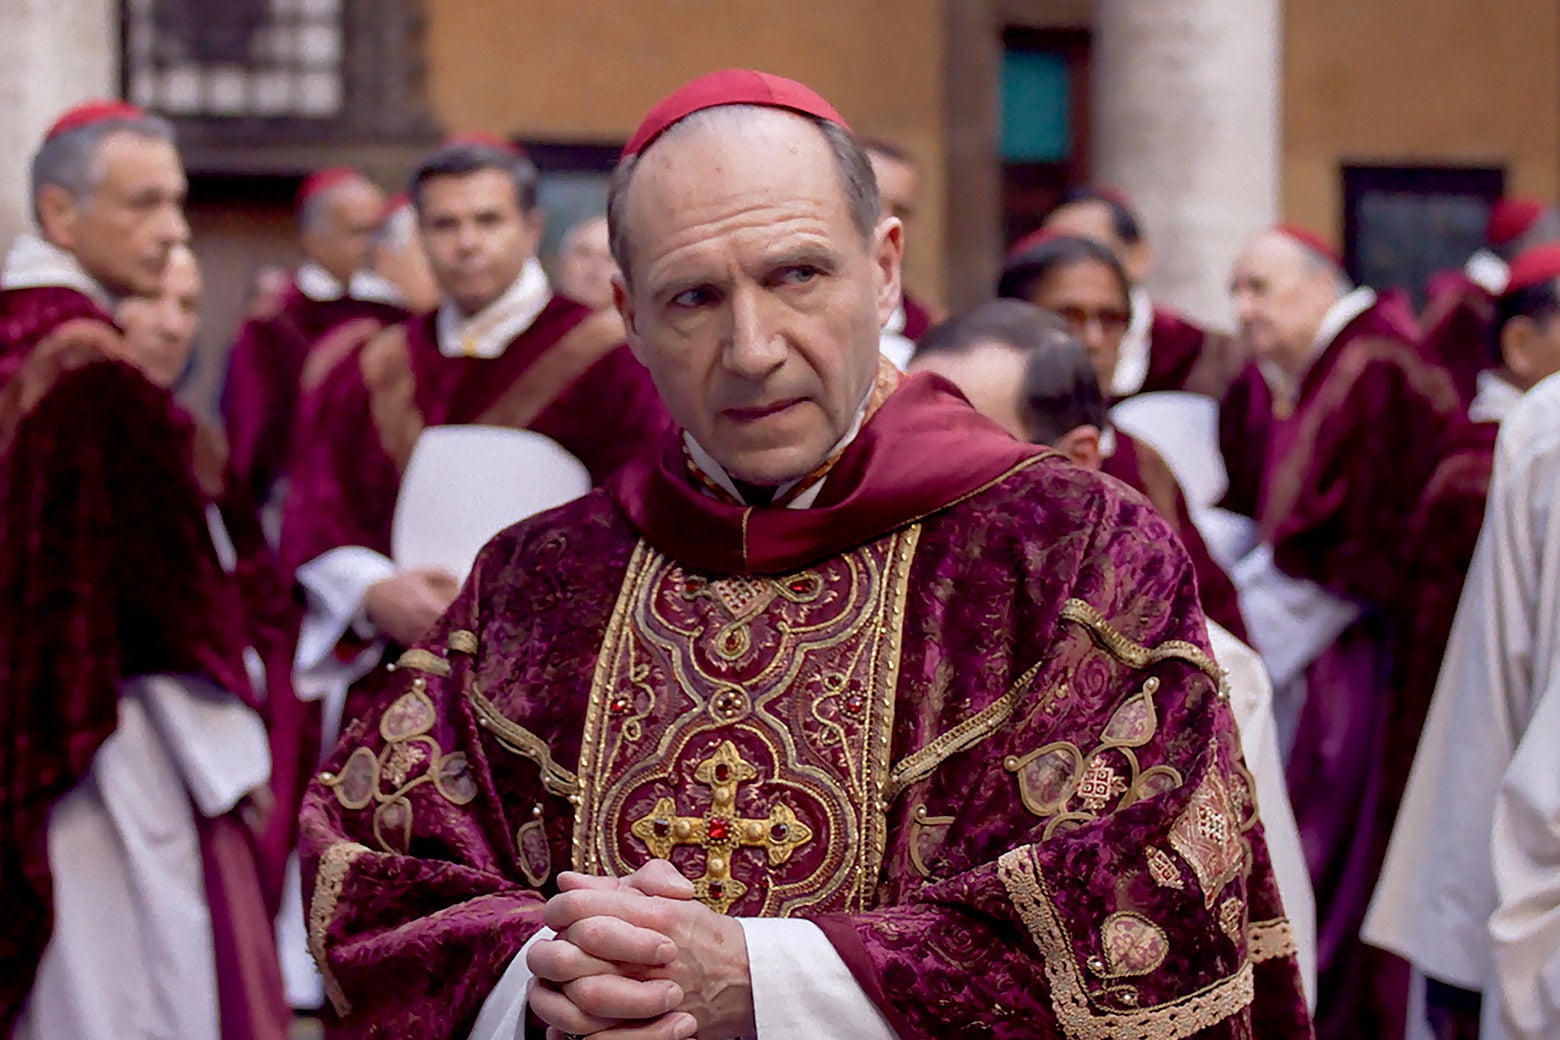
960, 714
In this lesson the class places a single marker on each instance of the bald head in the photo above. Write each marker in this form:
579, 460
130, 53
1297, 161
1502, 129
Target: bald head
755, 284
1282, 289
585, 266
857, 183
336, 225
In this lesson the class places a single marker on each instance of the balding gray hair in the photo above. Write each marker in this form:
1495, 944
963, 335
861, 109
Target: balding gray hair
69, 160
855, 170
396, 230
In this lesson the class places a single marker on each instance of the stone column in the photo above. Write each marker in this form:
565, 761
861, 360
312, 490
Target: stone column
1186, 122
53, 54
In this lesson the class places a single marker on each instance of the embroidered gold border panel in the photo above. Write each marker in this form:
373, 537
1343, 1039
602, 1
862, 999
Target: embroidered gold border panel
863, 634
1269, 940
1136, 655
1080, 1019
329, 880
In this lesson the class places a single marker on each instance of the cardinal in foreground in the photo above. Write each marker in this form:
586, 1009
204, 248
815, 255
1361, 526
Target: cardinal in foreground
843, 710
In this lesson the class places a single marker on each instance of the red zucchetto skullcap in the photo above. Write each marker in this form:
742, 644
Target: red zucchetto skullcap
90, 113
1312, 241
394, 204
1510, 219
324, 180
1033, 240
1534, 267
729, 87
485, 140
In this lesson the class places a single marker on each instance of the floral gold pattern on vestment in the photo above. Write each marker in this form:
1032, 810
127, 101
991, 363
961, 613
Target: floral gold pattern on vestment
1207, 834
1163, 869
1133, 944
1058, 782
1135, 654
409, 759
1084, 1018
772, 699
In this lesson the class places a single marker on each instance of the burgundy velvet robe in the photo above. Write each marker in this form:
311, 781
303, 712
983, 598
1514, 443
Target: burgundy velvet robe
918, 318
260, 396
966, 698
1185, 356
108, 572
1459, 324
568, 376
1334, 494
1142, 468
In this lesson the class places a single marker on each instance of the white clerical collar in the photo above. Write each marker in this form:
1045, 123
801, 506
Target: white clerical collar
892, 341
488, 333
321, 286
896, 322
1488, 271
33, 263
317, 284
1493, 398
1108, 442
1337, 318
717, 473
1132, 360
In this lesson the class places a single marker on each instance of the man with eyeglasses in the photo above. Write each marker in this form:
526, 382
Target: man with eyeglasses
1160, 349
1082, 281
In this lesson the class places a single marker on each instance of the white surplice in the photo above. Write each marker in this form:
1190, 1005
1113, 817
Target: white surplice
1251, 699
1469, 901
131, 951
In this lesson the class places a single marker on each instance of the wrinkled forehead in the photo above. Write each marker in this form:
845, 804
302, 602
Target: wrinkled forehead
1271, 257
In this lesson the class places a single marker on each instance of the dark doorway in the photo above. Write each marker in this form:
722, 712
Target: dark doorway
1404, 223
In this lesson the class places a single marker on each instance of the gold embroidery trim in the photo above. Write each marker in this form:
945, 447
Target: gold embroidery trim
1136, 655
424, 661
919, 764
1079, 1017
516, 738
1270, 940
329, 880
463, 641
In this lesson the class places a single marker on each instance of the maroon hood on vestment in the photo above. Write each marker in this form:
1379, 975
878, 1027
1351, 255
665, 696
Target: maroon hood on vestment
922, 451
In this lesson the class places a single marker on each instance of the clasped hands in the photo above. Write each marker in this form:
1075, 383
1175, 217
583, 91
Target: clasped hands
637, 958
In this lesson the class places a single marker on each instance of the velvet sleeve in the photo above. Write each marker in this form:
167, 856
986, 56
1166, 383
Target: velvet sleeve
416, 901
1245, 416
1344, 497
1096, 866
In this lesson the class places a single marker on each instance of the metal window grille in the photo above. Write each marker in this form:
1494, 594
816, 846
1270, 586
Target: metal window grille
269, 59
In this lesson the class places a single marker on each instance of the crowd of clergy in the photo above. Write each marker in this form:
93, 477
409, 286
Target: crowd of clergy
952, 712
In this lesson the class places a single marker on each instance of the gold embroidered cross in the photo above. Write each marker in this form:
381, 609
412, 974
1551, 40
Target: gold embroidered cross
720, 832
